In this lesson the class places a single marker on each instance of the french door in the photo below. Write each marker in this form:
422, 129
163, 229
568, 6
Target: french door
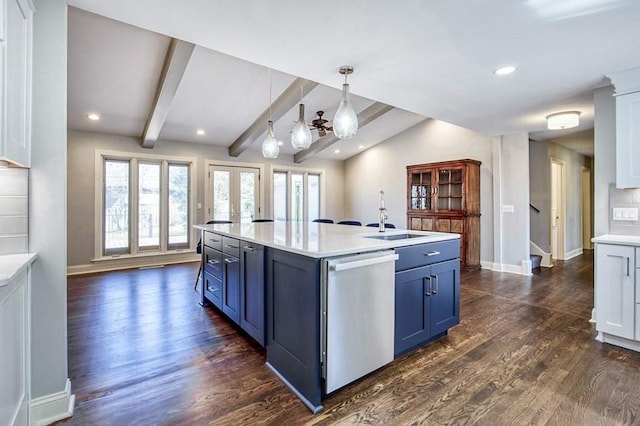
234, 193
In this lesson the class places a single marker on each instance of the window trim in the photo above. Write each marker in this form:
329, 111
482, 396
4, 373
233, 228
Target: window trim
274, 168
134, 158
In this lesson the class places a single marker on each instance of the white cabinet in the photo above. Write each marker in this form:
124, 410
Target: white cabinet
627, 84
14, 350
615, 290
15, 79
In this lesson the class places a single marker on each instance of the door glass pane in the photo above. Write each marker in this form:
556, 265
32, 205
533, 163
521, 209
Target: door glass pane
297, 197
148, 205
313, 191
116, 206
178, 205
280, 196
221, 195
248, 191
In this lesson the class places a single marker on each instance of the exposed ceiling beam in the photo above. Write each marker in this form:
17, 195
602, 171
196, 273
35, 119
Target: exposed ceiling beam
287, 100
364, 117
175, 64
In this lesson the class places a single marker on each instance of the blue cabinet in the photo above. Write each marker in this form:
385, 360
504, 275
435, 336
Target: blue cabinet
252, 294
427, 293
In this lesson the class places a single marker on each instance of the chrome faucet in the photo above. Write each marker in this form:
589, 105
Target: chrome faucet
382, 212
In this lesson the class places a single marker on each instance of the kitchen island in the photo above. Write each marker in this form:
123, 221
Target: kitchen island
331, 303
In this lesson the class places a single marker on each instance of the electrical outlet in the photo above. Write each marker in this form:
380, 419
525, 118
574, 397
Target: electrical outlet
625, 214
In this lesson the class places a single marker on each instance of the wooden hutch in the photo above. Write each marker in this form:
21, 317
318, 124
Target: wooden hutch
445, 197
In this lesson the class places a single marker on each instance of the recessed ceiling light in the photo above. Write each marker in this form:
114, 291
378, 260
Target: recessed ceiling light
504, 70
361, 147
200, 132
337, 151
92, 116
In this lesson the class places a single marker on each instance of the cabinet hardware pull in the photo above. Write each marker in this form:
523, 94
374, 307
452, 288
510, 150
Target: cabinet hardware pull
213, 241
431, 253
627, 265
229, 260
212, 261
230, 246
428, 292
249, 248
436, 286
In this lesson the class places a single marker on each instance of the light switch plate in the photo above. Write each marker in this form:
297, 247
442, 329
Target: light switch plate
625, 213
508, 208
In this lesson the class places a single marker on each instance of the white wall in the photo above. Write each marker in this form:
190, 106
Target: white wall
539, 194
604, 132
511, 186
384, 167
81, 157
47, 199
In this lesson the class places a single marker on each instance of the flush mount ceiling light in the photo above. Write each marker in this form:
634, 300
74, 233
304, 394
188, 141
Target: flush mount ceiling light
563, 120
301, 135
270, 148
200, 132
504, 70
345, 122
92, 116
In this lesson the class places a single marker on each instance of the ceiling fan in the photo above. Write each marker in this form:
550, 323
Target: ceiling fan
319, 125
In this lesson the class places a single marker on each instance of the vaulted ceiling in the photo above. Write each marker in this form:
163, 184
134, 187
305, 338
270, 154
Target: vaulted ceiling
162, 69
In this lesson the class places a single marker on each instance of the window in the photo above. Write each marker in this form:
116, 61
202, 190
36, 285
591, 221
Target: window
145, 205
297, 195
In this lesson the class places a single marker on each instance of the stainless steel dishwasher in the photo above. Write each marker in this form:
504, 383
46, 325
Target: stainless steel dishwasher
357, 316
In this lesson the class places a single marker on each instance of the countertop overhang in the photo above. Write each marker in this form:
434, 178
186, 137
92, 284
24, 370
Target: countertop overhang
629, 240
12, 264
321, 240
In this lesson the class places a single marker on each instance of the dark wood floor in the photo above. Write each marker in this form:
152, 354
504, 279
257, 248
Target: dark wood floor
143, 352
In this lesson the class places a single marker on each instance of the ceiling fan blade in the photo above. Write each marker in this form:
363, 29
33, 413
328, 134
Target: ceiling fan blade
322, 132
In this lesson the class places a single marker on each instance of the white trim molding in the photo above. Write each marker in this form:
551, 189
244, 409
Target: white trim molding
573, 253
546, 257
53, 407
523, 269
126, 262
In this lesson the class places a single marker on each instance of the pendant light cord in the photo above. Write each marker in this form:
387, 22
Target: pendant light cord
270, 94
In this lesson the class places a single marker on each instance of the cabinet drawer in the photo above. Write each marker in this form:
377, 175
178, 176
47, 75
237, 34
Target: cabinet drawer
426, 254
231, 246
213, 289
213, 262
213, 240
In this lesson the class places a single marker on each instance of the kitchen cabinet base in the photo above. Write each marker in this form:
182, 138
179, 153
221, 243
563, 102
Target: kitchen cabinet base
315, 409
618, 341
421, 344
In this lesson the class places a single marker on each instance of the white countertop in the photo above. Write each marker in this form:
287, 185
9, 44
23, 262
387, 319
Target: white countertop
627, 240
12, 264
318, 240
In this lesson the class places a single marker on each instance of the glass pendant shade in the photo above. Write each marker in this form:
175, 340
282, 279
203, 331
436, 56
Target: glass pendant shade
270, 148
345, 122
301, 135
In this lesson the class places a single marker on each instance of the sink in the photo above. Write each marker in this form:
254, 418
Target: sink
391, 237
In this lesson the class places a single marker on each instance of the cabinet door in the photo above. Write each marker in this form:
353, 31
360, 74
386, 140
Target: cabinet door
421, 190
449, 189
615, 300
412, 298
231, 288
444, 307
252, 299
627, 146
16, 147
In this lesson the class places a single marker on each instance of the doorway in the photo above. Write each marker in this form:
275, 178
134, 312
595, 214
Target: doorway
586, 209
557, 210
233, 193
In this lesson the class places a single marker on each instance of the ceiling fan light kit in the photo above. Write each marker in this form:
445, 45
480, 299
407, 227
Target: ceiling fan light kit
563, 120
345, 122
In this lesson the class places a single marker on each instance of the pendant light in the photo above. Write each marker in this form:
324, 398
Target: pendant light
301, 135
270, 148
345, 122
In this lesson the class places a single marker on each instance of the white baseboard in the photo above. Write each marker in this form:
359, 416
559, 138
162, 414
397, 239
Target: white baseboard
523, 269
53, 407
573, 253
132, 262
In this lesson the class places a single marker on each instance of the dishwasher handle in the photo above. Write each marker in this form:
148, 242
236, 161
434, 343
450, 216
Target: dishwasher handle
364, 262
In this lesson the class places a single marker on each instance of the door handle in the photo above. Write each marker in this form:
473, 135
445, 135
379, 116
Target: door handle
436, 285
627, 265
428, 283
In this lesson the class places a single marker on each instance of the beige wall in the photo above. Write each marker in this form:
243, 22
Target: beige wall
82, 147
384, 167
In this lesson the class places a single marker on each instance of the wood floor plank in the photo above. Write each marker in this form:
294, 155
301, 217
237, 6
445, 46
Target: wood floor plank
143, 352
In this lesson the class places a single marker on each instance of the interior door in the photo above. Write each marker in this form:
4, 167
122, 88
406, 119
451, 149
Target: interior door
557, 220
234, 193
